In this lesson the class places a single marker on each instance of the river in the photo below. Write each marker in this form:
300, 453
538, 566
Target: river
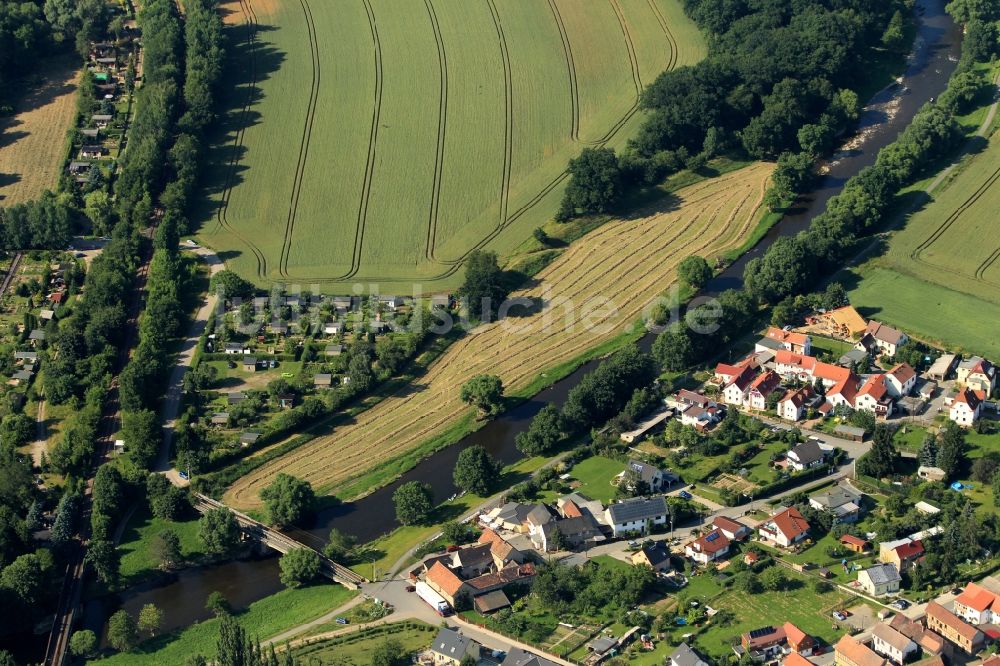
929, 66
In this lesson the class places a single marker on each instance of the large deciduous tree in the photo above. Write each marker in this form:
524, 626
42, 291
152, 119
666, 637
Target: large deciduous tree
288, 500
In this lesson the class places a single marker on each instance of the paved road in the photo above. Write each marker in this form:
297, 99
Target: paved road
172, 401
406, 606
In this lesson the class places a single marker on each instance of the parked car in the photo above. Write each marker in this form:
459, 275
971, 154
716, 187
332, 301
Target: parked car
685, 495
183, 475
341, 620
411, 588
840, 616
901, 604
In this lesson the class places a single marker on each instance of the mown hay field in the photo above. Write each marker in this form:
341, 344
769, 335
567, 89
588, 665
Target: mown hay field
608, 277
941, 274
33, 140
379, 142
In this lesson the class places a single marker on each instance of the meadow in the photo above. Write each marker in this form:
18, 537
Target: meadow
599, 288
33, 141
380, 142
940, 276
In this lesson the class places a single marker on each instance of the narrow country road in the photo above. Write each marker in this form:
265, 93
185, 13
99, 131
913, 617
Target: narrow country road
185, 356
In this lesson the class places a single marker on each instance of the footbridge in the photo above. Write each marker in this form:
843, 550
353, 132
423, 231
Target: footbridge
280, 541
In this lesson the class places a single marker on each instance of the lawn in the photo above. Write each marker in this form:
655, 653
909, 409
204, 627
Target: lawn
137, 561
802, 606
927, 310
267, 617
595, 475
361, 175
355, 649
836, 348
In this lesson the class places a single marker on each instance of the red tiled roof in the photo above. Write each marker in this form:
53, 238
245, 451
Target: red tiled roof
796, 637
796, 659
903, 372
782, 335
909, 550
853, 540
978, 598
785, 357
743, 379
766, 382
489, 535
790, 522
571, 510
798, 397
875, 387
830, 372
711, 545
971, 398
444, 579
848, 388
858, 653
728, 524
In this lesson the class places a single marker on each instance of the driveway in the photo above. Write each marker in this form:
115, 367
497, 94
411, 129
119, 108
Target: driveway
185, 355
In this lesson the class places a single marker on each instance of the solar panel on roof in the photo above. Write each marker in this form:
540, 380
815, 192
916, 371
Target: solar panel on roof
712, 537
763, 631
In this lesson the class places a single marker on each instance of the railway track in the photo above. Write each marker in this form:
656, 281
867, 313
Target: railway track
76, 570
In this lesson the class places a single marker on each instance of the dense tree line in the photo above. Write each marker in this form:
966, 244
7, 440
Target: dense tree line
141, 380
778, 78
142, 173
46, 223
792, 265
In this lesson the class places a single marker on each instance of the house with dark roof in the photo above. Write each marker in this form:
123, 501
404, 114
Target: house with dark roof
795, 403
842, 501
652, 554
766, 643
656, 480
805, 455
491, 602
685, 655
879, 580
575, 532
785, 528
881, 338
636, 515
977, 373
520, 657
449, 647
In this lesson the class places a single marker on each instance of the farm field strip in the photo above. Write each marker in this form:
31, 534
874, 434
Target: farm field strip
951, 241
33, 140
439, 85
628, 262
